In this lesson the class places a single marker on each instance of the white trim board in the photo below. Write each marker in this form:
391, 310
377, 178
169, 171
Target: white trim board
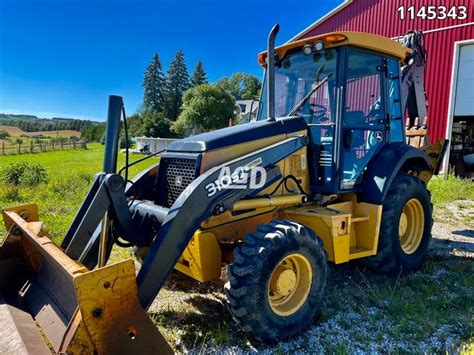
452, 95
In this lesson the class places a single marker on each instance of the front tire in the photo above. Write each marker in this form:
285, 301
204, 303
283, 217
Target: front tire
277, 280
405, 229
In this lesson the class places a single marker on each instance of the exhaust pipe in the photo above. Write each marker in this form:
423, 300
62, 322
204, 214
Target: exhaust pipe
271, 72
112, 133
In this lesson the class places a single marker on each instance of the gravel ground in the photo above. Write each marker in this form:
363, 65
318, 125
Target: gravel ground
453, 230
362, 312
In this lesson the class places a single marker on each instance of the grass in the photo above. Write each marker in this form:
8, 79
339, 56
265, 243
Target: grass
453, 199
429, 311
450, 188
71, 173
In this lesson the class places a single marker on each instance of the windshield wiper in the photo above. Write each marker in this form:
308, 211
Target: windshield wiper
308, 95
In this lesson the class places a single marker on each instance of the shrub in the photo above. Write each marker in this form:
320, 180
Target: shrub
123, 143
4, 134
34, 175
24, 173
13, 172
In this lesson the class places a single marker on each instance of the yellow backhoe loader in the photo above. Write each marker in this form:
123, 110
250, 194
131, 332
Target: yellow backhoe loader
323, 175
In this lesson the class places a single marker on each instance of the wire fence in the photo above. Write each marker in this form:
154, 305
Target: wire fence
29, 148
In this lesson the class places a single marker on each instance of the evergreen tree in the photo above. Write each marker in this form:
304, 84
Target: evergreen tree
199, 75
177, 83
154, 86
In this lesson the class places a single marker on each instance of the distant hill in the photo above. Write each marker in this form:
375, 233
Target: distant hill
30, 123
18, 132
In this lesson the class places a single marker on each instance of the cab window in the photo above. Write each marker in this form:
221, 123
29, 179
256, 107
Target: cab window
394, 101
363, 117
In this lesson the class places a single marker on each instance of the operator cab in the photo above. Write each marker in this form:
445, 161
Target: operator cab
349, 95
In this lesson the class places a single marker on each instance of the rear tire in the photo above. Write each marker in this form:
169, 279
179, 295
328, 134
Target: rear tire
405, 229
277, 280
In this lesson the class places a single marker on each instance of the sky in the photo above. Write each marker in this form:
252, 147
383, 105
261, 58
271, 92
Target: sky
62, 58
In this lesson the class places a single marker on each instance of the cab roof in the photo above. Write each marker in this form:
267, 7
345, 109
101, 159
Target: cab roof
337, 39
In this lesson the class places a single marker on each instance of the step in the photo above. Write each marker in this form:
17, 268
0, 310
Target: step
359, 218
357, 252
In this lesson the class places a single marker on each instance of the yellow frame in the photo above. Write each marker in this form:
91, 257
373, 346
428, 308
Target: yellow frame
349, 230
364, 40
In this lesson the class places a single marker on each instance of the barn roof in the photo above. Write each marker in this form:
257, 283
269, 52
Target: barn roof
322, 19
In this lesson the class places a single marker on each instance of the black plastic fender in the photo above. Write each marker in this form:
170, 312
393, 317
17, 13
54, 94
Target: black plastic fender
391, 159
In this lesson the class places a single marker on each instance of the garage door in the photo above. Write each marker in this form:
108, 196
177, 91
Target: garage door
464, 105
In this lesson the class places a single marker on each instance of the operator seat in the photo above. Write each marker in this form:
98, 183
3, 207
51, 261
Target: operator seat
353, 119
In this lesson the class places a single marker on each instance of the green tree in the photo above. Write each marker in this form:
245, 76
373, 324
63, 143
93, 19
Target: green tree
154, 85
177, 83
242, 86
134, 123
199, 76
93, 133
205, 107
155, 124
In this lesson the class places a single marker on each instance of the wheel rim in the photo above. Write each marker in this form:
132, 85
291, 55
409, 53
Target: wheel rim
411, 225
290, 284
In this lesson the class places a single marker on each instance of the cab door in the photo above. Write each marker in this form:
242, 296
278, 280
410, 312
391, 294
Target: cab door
363, 115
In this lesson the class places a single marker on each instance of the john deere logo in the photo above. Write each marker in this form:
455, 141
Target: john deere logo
178, 181
378, 136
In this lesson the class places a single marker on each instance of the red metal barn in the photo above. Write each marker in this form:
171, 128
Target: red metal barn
449, 38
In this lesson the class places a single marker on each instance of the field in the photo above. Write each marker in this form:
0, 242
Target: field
428, 311
17, 132
32, 137
71, 173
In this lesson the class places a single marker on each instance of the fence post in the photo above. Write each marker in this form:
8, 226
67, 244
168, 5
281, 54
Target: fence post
31, 146
74, 144
3, 148
62, 145
52, 144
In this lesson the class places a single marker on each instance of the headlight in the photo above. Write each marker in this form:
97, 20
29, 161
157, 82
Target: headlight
307, 49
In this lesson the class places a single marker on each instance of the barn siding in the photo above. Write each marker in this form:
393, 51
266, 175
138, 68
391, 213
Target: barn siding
381, 17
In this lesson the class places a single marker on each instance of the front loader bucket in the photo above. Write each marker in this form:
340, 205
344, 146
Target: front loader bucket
51, 303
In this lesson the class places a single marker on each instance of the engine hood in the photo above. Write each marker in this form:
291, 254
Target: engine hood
237, 134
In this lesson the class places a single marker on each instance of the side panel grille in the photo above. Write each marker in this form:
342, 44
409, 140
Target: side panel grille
180, 172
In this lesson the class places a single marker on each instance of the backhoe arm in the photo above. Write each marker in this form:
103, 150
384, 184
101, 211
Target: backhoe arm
414, 103
413, 87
